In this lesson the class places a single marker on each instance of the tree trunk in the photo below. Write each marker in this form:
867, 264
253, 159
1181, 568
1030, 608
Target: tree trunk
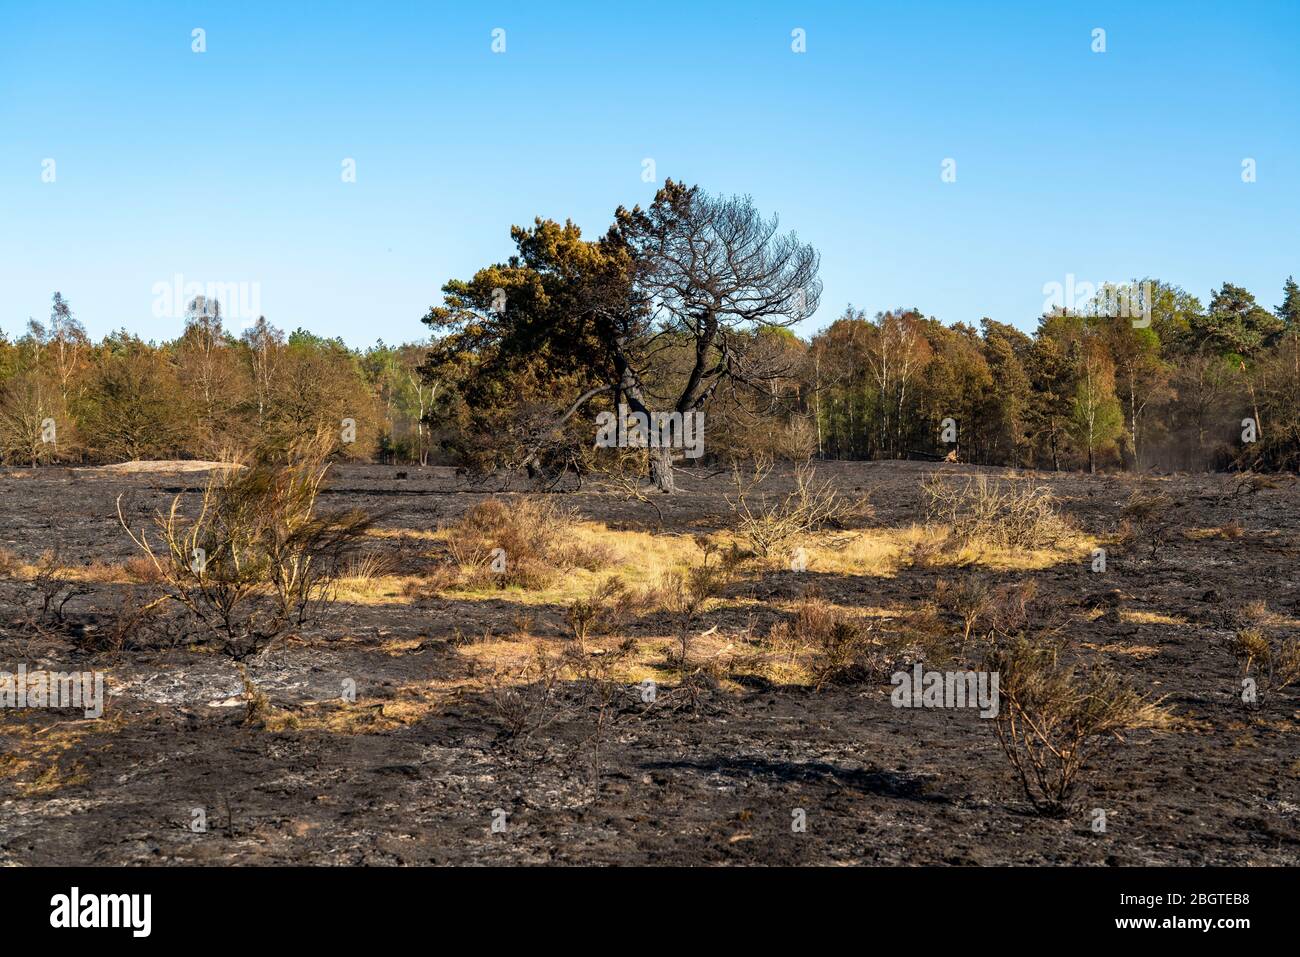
1133, 419
661, 469
1259, 426
817, 413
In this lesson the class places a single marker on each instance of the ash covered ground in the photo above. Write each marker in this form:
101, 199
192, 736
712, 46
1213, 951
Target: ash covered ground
419, 767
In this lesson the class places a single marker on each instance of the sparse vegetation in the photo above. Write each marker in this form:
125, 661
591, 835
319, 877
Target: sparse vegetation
674, 656
259, 557
603, 607
1272, 662
599, 679
132, 622
1009, 514
683, 524
1147, 521
525, 701
1055, 715
1250, 483
837, 646
768, 522
53, 589
686, 594
842, 644
970, 598
524, 542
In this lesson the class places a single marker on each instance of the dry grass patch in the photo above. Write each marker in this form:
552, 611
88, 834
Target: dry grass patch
1140, 652
1229, 531
830, 644
1273, 663
640, 559
405, 534
523, 542
823, 643
370, 578
494, 660
35, 761
937, 546
883, 552
379, 591
877, 553
1000, 514
410, 704
1150, 618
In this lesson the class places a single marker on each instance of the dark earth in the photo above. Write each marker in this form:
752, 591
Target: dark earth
417, 778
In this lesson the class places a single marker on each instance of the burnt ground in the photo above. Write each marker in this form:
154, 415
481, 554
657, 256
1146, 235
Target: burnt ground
417, 780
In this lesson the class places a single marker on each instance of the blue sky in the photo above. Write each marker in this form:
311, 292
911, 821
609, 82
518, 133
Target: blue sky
225, 166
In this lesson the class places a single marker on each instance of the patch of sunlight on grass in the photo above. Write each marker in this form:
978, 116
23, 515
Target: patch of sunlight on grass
95, 572
725, 656
377, 589
35, 763
875, 552
411, 703
400, 646
649, 554
1229, 531
1140, 652
884, 552
1002, 559
639, 558
506, 658
1150, 618
399, 534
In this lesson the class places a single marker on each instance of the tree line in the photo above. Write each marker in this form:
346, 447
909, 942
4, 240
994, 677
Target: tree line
1185, 385
685, 306
209, 393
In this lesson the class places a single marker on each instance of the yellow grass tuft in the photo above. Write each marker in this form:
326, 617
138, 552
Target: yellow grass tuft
412, 703
1140, 652
1150, 618
36, 764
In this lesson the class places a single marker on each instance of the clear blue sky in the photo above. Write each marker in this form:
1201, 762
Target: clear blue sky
225, 166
